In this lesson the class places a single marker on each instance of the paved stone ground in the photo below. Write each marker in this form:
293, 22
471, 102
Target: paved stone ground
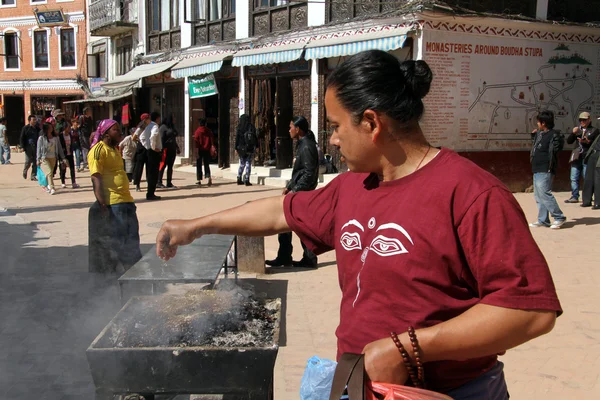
51, 308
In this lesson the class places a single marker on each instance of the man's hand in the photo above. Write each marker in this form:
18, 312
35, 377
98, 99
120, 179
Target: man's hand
172, 234
576, 130
285, 191
383, 362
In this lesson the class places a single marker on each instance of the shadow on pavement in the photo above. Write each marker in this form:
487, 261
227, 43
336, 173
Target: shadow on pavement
581, 221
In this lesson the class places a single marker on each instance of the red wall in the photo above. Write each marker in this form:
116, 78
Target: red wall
514, 169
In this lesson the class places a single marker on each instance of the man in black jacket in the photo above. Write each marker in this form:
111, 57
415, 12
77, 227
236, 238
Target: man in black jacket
591, 183
544, 155
305, 176
28, 142
583, 135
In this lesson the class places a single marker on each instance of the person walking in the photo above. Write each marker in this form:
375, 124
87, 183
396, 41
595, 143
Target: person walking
544, 159
114, 239
204, 143
4, 146
68, 144
591, 183
141, 154
584, 135
305, 177
168, 136
28, 141
77, 149
154, 151
424, 260
86, 127
128, 147
245, 146
49, 150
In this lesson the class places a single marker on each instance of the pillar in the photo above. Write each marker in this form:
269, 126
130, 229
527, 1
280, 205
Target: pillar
251, 254
541, 11
314, 98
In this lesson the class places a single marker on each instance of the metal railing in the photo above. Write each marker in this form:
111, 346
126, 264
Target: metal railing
107, 12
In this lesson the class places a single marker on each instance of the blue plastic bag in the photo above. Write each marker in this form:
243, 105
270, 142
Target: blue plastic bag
41, 177
317, 379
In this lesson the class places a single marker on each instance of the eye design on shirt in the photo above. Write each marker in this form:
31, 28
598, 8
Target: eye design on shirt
386, 247
351, 241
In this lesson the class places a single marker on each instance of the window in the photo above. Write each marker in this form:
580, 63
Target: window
67, 48
165, 15
40, 39
11, 50
102, 65
269, 3
124, 51
8, 3
215, 9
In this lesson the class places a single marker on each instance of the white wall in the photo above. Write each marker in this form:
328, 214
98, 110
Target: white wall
186, 28
242, 19
316, 13
541, 11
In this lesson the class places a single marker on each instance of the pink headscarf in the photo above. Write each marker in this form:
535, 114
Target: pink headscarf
104, 126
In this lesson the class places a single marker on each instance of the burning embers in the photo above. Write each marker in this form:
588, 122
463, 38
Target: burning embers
198, 319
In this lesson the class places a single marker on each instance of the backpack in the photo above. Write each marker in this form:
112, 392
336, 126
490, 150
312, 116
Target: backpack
250, 140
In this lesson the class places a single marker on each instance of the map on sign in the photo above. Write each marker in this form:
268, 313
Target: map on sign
564, 84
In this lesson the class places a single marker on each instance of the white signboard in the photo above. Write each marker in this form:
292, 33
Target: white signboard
487, 90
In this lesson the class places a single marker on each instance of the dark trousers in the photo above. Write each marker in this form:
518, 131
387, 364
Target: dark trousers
141, 159
203, 159
169, 162
284, 253
113, 237
591, 183
63, 170
30, 161
152, 167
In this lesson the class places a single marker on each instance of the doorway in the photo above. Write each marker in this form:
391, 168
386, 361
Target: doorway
14, 110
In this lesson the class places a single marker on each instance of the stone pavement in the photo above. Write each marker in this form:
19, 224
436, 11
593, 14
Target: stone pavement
51, 308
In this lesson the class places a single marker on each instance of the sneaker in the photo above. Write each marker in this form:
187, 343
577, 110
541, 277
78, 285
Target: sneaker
558, 223
171, 186
160, 186
209, 182
63, 186
52, 191
24, 174
138, 189
572, 200
75, 186
537, 224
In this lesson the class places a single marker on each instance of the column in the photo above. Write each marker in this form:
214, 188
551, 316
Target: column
242, 19
186, 28
314, 97
316, 13
541, 10
242, 94
188, 120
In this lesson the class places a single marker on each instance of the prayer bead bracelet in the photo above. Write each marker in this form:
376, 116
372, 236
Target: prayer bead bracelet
406, 359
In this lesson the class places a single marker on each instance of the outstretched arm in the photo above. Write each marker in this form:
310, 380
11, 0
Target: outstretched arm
257, 218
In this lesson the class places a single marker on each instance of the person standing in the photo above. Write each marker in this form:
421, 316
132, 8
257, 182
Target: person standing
49, 151
4, 146
245, 146
28, 140
305, 177
141, 154
113, 224
544, 157
584, 135
68, 144
204, 142
154, 150
76, 135
86, 127
128, 147
168, 137
591, 183
59, 117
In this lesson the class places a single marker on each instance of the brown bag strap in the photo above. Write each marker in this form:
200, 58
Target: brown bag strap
350, 372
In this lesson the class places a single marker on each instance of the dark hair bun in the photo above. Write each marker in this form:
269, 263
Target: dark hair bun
418, 76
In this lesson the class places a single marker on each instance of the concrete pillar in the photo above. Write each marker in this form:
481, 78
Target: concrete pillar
187, 117
186, 28
316, 13
242, 19
541, 11
242, 94
251, 254
314, 97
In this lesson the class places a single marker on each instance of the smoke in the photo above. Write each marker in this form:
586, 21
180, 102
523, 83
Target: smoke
230, 316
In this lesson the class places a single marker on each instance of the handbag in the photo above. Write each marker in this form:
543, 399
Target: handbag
41, 177
350, 374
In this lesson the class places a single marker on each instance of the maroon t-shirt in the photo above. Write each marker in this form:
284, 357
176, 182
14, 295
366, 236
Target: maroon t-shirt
421, 250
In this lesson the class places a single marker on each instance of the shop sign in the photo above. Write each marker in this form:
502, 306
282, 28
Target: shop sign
95, 85
202, 87
50, 18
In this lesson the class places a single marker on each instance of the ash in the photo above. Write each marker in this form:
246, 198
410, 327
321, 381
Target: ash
199, 319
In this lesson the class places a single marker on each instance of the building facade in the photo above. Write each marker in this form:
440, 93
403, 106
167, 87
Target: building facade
43, 58
218, 59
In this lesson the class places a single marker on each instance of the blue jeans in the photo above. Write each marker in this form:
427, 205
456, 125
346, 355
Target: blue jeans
546, 203
245, 163
78, 160
489, 386
4, 150
578, 169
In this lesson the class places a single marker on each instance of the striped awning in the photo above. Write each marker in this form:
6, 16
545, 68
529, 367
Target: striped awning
200, 65
347, 46
272, 53
141, 71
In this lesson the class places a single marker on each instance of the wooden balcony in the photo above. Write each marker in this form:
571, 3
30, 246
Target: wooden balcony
113, 17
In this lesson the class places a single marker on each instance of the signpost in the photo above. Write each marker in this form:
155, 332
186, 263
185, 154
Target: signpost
202, 87
50, 17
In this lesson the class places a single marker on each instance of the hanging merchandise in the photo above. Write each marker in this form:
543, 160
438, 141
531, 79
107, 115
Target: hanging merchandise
125, 115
